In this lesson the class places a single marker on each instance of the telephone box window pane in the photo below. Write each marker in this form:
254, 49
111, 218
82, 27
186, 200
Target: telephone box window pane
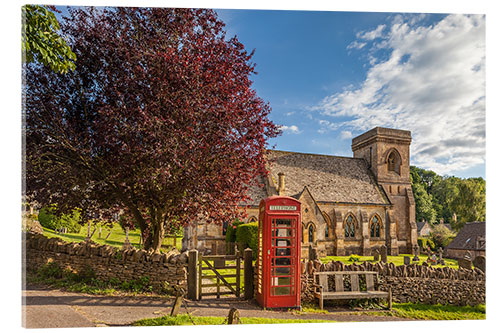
282, 242
279, 291
282, 232
280, 271
281, 261
283, 223
283, 252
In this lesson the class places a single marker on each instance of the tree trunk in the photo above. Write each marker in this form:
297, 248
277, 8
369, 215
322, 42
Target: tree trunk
158, 235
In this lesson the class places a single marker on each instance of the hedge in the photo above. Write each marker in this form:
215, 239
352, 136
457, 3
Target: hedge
247, 235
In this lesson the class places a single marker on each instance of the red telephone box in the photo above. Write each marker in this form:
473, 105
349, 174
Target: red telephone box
278, 260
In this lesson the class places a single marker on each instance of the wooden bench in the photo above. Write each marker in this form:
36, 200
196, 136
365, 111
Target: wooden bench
322, 290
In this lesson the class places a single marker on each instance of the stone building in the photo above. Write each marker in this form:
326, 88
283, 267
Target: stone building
350, 205
471, 238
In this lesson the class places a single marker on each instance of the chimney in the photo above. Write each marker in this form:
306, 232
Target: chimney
281, 183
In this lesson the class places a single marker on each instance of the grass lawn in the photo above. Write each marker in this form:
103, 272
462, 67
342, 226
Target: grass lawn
397, 260
116, 238
184, 320
434, 312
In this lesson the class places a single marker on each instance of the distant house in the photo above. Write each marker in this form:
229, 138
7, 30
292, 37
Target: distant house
423, 228
472, 238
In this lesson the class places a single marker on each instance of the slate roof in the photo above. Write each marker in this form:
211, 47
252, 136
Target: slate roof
328, 178
256, 192
420, 225
467, 237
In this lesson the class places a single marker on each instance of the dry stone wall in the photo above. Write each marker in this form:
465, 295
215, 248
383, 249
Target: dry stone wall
106, 261
411, 283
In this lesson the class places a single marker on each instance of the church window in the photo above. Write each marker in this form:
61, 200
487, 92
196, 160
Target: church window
375, 226
393, 161
326, 230
311, 233
350, 228
252, 219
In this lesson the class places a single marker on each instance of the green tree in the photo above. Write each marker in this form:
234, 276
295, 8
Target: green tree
443, 195
41, 41
441, 235
470, 202
424, 209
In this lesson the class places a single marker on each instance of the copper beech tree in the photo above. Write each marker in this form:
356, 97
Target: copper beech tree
157, 121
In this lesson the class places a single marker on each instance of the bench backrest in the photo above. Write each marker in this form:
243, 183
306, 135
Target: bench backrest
370, 278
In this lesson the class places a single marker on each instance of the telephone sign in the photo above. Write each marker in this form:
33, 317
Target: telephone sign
278, 260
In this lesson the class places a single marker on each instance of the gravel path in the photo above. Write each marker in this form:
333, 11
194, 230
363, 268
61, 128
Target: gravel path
48, 308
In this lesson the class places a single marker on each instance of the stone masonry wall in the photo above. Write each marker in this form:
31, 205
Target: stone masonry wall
107, 261
411, 283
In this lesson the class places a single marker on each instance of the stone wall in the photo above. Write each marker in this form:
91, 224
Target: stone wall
107, 261
412, 283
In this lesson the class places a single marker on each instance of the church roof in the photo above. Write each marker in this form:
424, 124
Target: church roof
328, 178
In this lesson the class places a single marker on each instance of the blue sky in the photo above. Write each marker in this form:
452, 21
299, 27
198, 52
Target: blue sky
330, 76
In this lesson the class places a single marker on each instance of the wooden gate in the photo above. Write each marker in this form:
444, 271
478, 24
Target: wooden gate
218, 269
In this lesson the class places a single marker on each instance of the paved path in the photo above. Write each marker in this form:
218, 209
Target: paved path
48, 308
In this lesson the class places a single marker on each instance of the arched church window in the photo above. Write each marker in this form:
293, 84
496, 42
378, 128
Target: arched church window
375, 226
311, 233
350, 227
252, 219
393, 161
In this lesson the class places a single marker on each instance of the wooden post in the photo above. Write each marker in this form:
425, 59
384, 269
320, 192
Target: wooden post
177, 306
238, 273
193, 291
200, 276
248, 271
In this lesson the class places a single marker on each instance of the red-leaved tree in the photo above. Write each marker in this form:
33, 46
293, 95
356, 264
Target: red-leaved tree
158, 120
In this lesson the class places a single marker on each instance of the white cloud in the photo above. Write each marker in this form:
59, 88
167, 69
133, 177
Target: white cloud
432, 83
371, 35
345, 135
293, 129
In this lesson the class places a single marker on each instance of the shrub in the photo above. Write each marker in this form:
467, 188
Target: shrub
48, 218
426, 242
50, 270
247, 235
441, 236
354, 258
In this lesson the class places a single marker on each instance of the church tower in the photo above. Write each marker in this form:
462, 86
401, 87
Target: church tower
387, 152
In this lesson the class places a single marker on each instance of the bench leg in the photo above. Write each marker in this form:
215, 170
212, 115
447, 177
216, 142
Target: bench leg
321, 301
389, 299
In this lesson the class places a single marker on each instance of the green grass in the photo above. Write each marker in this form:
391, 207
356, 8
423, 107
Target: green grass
434, 312
397, 260
116, 238
184, 320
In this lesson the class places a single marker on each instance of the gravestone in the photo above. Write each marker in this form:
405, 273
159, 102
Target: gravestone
464, 263
468, 255
233, 317
480, 263
441, 260
415, 252
407, 260
383, 253
376, 255
313, 253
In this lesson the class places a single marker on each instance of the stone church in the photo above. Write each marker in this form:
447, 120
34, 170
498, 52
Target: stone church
350, 205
